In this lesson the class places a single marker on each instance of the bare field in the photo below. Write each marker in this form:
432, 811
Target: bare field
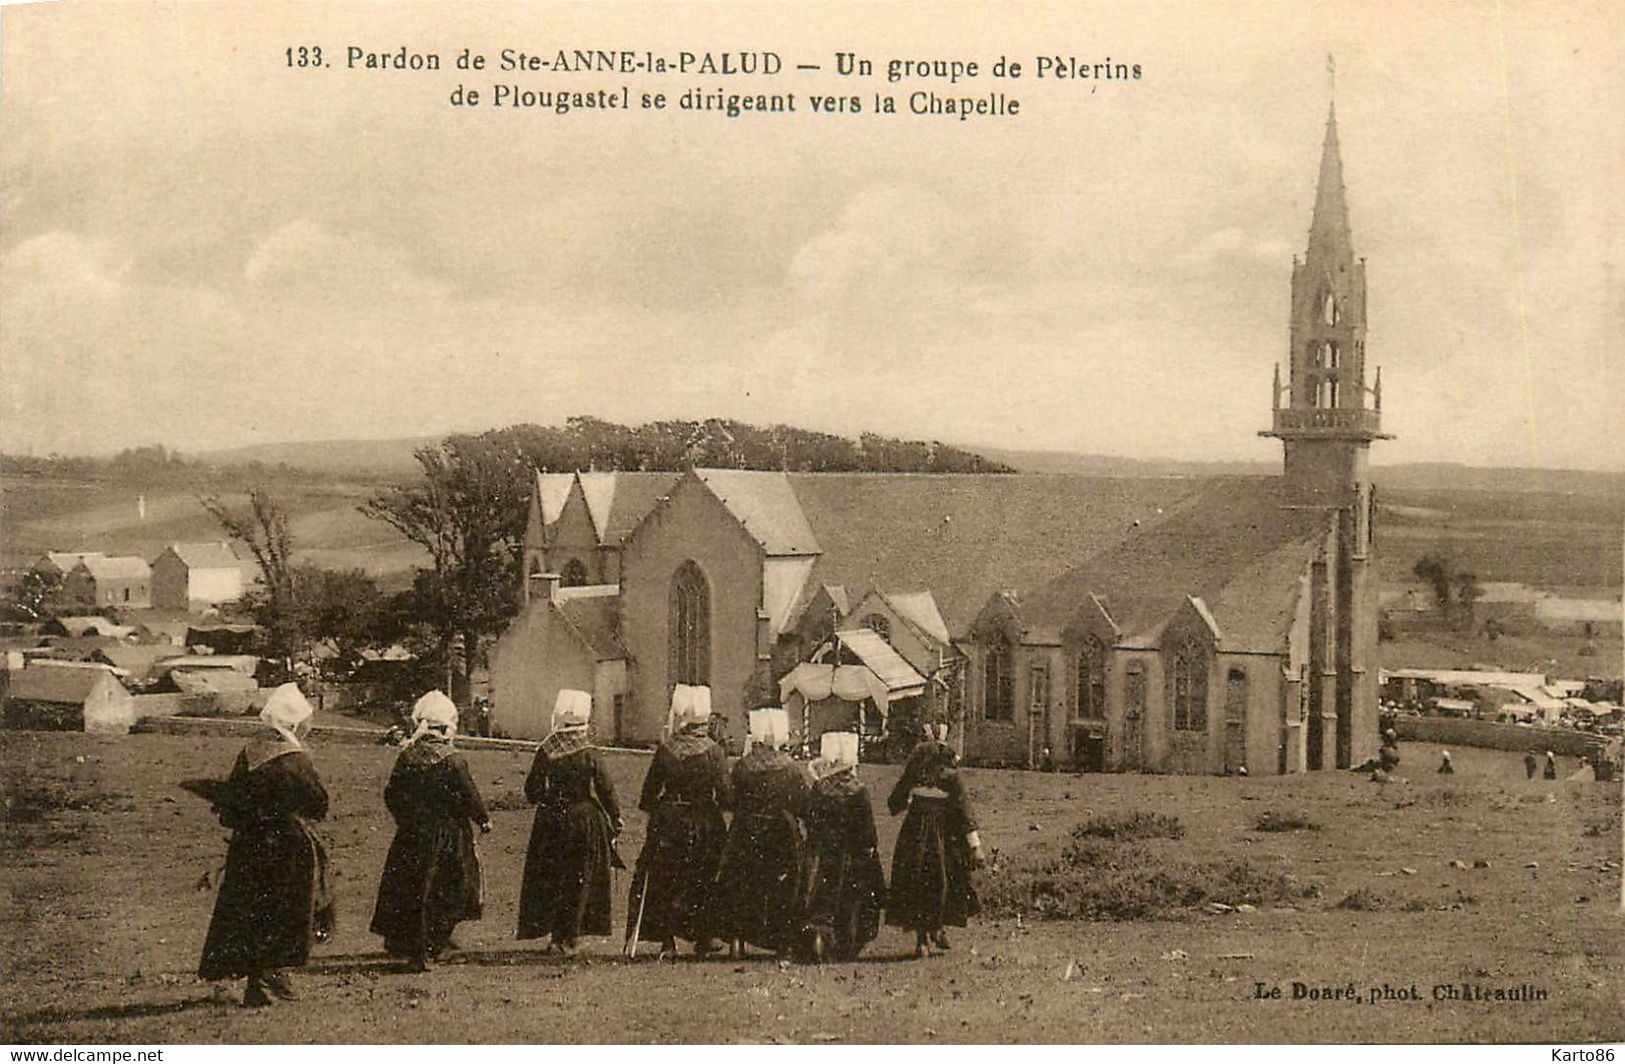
1543, 652
39, 515
1548, 540
101, 859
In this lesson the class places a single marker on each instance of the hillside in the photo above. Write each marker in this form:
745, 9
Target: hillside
97, 514
1413, 476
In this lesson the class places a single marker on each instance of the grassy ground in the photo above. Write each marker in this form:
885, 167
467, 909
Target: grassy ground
103, 916
1542, 652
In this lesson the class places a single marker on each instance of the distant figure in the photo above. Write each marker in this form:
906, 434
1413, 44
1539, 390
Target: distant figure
1530, 764
1551, 766
1446, 766
1388, 757
936, 848
431, 880
1241, 770
1046, 761
565, 892
845, 887
274, 899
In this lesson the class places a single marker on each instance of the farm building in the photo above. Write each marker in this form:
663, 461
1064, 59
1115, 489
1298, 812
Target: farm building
1131, 624
193, 576
100, 582
59, 563
63, 697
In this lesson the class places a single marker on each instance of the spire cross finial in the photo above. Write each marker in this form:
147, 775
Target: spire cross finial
1331, 78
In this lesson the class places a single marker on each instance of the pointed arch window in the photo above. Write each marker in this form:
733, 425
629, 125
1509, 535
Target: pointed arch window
998, 676
1330, 312
690, 626
1091, 689
1188, 687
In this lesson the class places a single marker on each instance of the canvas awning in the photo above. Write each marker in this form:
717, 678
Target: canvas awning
874, 652
850, 683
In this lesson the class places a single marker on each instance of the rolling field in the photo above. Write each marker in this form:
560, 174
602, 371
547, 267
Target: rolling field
1545, 540
37, 515
104, 915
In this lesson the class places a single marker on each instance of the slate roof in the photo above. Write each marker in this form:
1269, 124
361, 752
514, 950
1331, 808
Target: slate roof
920, 607
552, 489
1232, 545
66, 560
963, 537
121, 567
137, 659
64, 684
596, 618
616, 502
206, 555
767, 507
77, 625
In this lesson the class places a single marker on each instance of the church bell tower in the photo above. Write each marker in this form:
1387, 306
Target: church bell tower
1326, 426
1330, 416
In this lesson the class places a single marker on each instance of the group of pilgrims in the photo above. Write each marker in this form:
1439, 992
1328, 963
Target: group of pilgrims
795, 872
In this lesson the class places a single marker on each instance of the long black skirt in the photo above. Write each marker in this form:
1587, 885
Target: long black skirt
565, 892
431, 883
930, 875
842, 898
274, 901
760, 881
674, 883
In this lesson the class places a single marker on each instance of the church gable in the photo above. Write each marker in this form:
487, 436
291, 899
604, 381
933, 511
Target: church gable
1091, 619
922, 649
573, 540
1001, 616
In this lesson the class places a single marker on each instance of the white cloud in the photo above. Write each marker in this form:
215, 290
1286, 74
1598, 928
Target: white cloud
304, 256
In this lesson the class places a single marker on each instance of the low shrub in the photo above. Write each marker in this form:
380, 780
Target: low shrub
1363, 900
30, 801
1270, 820
1129, 827
1095, 880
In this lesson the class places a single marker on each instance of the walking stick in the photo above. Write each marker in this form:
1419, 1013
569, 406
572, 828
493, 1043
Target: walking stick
631, 948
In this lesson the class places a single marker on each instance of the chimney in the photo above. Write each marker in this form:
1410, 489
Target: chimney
544, 587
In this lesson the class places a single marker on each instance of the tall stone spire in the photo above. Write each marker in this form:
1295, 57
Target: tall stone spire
1328, 421
1330, 241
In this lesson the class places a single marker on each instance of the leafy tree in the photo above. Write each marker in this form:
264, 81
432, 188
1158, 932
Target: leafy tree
263, 529
1434, 570
468, 511
1468, 592
344, 610
38, 593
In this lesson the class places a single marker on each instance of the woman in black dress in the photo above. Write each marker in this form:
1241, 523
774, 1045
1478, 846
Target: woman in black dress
685, 792
845, 888
760, 881
431, 879
936, 848
274, 899
565, 892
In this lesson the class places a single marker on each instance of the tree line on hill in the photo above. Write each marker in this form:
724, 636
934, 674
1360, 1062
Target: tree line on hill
591, 443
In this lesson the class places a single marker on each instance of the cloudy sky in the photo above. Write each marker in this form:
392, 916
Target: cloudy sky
204, 248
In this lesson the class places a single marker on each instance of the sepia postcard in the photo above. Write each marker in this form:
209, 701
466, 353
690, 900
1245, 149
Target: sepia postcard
811, 523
